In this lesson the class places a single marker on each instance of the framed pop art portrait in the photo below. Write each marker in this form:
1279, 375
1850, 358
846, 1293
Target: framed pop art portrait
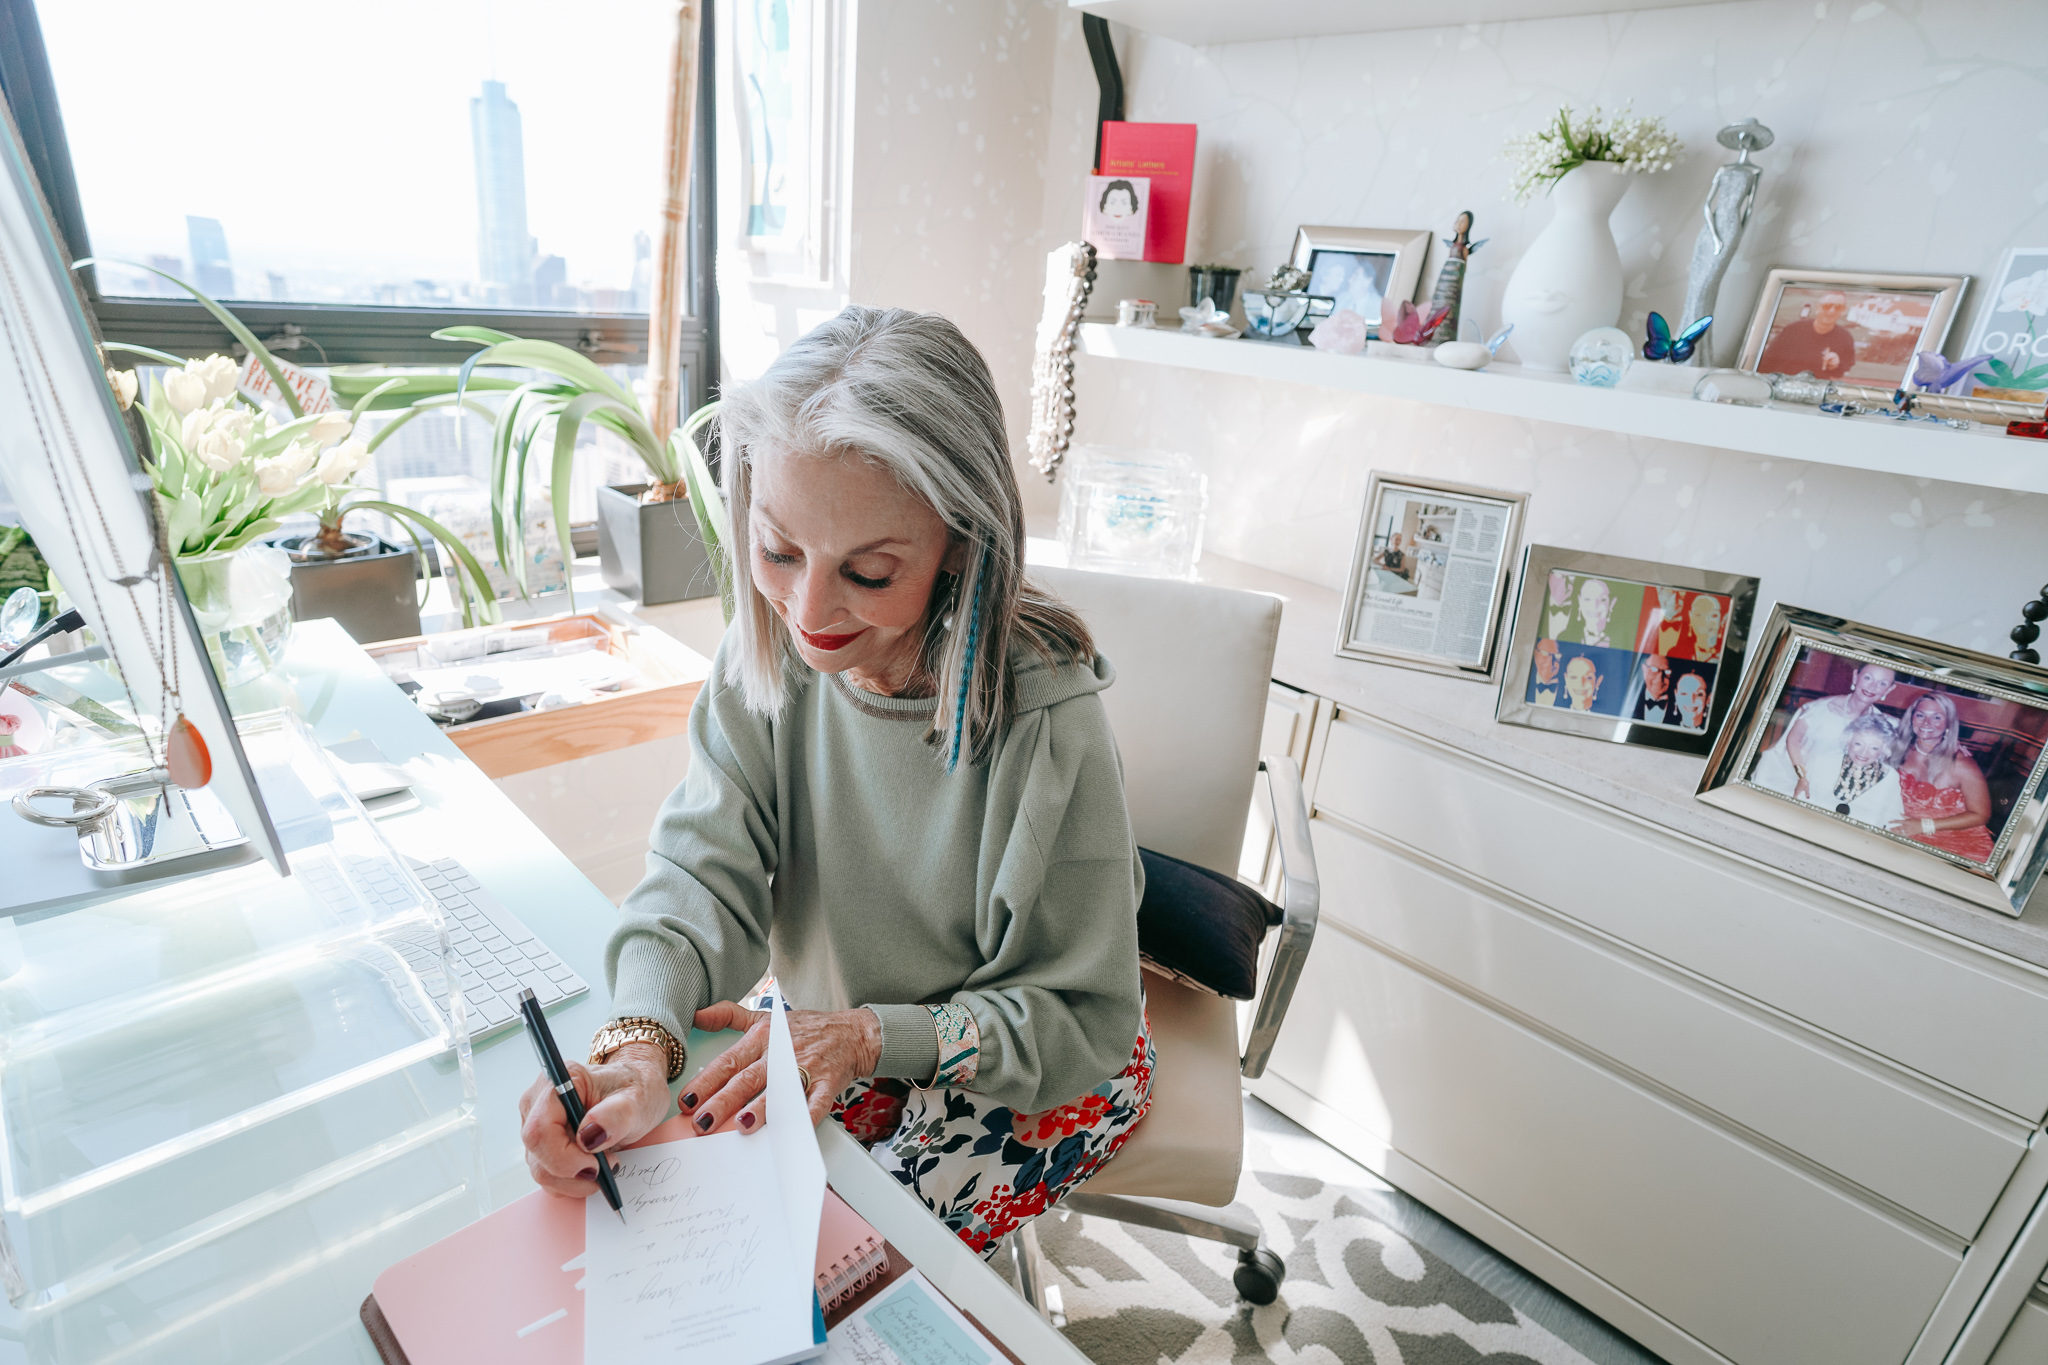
1429, 575
1361, 267
1852, 327
1921, 758
1624, 650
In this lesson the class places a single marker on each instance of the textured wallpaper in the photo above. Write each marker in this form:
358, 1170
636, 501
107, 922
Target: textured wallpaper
1911, 137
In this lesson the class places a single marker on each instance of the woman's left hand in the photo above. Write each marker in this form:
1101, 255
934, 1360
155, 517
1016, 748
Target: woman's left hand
836, 1047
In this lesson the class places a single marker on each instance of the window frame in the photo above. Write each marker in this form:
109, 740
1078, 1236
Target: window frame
358, 334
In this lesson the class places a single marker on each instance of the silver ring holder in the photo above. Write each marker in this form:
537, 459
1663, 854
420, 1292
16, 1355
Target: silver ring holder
89, 805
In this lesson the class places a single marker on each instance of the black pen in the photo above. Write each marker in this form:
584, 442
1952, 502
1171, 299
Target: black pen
565, 1087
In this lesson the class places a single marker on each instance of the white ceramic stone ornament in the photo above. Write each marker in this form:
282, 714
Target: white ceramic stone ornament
1464, 355
1569, 280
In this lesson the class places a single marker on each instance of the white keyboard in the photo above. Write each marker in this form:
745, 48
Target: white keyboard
496, 955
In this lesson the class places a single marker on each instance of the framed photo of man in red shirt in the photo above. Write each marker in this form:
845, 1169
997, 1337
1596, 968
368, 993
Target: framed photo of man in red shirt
1849, 326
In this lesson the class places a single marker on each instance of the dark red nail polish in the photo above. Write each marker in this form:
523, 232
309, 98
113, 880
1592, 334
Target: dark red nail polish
591, 1138
704, 1122
587, 1173
690, 1100
746, 1120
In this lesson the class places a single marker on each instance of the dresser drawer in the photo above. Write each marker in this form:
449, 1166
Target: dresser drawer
1946, 1010
1757, 1259
1922, 1148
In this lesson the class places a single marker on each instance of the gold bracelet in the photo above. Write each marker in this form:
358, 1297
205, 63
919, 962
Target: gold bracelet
637, 1029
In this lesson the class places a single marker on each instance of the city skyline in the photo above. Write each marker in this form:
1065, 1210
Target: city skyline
388, 213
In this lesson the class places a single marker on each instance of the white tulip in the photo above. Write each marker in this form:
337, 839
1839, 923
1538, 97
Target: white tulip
299, 457
219, 450
124, 387
218, 373
342, 461
185, 390
328, 428
273, 479
238, 422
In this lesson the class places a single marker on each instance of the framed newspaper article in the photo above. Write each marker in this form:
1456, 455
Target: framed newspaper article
1429, 577
1624, 650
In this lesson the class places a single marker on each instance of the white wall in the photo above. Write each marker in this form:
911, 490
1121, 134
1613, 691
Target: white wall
1910, 137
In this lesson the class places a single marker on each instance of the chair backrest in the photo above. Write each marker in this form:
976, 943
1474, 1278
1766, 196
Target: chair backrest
1194, 666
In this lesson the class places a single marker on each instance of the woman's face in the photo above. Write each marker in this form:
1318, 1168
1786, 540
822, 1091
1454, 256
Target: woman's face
1929, 725
1706, 621
1874, 683
1865, 748
1119, 204
847, 556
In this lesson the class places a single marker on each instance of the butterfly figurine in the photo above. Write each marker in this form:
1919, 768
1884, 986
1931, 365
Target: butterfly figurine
1661, 345
1493, 343
1932, 372
1408, 325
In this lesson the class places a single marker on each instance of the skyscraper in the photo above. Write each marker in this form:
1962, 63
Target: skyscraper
504, 252
209, 243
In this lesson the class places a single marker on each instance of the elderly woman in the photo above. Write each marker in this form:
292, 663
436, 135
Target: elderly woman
903, 798
1804, 761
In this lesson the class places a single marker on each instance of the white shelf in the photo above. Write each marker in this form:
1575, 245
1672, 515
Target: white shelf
1233, 21
1983, 456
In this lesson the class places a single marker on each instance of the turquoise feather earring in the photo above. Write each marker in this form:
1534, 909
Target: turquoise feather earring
967, 662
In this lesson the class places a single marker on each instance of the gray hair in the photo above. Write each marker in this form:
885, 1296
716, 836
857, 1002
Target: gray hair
1876, 724
909, 392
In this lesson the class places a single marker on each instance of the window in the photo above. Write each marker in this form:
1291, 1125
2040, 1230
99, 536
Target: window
352, 180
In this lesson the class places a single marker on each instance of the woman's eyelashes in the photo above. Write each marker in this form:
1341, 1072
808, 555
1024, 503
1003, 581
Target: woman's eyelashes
779, 560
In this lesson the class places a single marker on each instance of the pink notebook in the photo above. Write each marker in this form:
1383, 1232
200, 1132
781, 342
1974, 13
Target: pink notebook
505, 1288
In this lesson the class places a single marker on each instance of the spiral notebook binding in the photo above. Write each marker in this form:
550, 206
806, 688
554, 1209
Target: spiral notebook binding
845, 1276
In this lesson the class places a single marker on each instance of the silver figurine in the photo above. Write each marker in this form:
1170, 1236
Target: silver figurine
1729, 201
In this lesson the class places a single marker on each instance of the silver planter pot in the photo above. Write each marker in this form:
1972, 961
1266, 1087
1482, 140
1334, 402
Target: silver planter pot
374, 594
651, 552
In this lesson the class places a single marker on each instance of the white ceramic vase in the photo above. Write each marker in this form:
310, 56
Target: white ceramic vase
1569, 280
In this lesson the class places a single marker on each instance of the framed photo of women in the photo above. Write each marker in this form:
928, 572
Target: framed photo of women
1429, 575
1922, 758
1623, 649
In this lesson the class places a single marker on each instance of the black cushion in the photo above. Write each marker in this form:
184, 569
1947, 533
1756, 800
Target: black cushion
1201, 927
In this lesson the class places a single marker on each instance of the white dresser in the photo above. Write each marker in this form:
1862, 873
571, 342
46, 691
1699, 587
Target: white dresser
1746, 1099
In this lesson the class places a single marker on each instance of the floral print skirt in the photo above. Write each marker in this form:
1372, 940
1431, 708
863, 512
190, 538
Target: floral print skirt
985, 1169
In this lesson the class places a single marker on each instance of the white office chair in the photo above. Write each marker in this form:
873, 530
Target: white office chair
1193, 671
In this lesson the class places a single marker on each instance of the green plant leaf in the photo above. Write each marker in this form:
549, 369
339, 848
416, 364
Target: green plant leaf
234, 326
146, 352
362, 405
479, 582
712, 518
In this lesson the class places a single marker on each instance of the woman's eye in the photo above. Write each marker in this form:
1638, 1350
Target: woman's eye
872, 584
771, 557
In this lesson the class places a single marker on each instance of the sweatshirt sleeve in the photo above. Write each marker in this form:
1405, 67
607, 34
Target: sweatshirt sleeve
1058, 1002
695, 930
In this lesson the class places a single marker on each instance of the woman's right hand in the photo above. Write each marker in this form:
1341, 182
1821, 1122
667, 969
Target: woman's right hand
623, 1098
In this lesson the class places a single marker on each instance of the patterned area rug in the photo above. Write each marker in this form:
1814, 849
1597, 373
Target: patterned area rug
1373, 1278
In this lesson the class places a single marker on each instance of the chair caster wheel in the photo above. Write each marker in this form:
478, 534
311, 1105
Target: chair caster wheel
1258, 1276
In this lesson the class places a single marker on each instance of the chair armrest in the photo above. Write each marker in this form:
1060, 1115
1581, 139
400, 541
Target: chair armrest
1301, 894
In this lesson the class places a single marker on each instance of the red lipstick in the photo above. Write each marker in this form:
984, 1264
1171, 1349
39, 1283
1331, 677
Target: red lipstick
828, 643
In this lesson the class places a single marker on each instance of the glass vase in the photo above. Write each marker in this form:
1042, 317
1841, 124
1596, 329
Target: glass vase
243, 603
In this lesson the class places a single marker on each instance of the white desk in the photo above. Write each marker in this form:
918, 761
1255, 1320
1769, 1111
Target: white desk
340, 692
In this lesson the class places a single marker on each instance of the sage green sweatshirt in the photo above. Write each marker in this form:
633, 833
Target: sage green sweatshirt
830, 841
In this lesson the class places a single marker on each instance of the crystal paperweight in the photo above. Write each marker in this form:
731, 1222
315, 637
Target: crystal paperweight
1740, 388
1133, 511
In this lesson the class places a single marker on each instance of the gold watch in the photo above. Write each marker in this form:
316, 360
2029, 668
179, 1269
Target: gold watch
620, 1032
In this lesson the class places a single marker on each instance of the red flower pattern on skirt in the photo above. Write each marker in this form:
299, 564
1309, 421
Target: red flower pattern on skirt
986, 1169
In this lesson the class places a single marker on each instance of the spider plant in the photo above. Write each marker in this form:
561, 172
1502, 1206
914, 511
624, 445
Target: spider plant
546, 407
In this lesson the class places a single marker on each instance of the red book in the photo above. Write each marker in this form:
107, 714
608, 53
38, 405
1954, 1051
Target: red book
1166, 153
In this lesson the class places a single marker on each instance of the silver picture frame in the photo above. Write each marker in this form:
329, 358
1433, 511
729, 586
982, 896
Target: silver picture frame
1409, 248
1385, 621
1521, 700
2006, 690
1947, 292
